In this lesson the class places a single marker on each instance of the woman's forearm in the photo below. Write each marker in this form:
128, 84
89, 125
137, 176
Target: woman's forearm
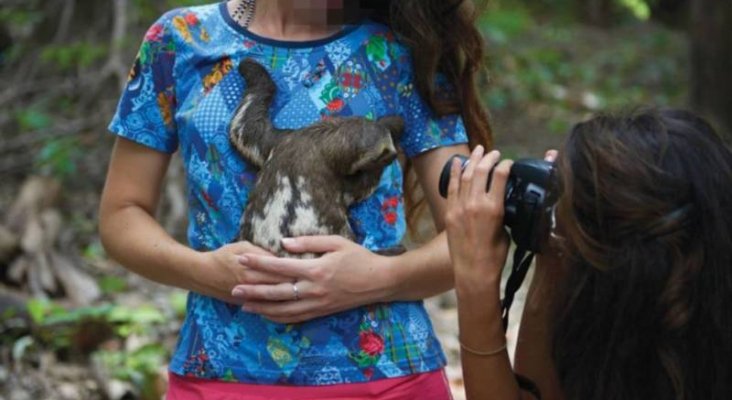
134, 239
533, 350
487, 375
419, 273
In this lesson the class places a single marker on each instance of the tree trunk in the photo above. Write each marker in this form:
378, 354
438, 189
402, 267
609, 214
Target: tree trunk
596, 12
711, 62
671, 13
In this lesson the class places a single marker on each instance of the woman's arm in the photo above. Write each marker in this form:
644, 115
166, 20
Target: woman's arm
426, 271
533, 357
131, 235
478, 249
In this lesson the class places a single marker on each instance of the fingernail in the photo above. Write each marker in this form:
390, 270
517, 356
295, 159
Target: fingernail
243, 260
288, 241
478, 149
237, 292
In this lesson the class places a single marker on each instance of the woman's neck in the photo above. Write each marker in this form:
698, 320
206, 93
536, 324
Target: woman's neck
290, 20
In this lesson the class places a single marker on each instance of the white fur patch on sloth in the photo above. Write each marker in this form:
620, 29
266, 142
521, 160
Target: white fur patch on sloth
251, 152
237, 121
305, 221
267, 229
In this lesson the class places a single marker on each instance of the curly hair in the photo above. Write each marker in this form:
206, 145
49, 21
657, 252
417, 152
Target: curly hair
647, 213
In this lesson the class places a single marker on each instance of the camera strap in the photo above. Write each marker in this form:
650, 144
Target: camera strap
522, 259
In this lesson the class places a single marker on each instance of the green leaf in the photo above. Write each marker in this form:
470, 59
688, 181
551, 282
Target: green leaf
112, 284
179, 302
639, 8
41, 310
98, 312
143, 315
502, 25
59, 156
33, 119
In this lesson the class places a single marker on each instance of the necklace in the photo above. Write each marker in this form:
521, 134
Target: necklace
244, 12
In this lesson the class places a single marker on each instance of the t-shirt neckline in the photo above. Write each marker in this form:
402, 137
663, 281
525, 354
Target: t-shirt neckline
224, 11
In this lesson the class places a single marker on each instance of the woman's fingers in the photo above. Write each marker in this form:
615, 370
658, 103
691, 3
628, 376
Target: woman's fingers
287, 312
550, 155
497, 191
292, 267
279, 292
314, 244
453, 187
466, 181
252, 277
291, 302
482, 173
247, 247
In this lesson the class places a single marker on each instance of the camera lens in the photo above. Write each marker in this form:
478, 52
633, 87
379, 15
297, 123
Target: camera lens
464, 161
445, 175
531, 191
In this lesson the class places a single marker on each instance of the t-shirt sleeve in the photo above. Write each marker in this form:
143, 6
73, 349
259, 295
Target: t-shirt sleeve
146, 110
423, 129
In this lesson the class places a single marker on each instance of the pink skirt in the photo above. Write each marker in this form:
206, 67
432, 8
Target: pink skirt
426, 386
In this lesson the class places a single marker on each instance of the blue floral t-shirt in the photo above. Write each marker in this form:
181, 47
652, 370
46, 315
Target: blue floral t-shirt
182, 93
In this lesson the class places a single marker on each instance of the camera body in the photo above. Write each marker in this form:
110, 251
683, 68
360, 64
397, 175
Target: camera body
531, 192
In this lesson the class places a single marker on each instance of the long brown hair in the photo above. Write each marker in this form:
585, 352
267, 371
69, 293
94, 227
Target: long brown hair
647, 213
443, 39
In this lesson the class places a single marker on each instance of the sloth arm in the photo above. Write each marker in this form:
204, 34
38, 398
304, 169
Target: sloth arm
131, 235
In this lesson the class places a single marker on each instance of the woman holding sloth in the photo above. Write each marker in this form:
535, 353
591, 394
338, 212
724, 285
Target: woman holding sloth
353, 325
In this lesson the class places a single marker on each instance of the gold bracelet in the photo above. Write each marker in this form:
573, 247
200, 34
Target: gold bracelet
482, 353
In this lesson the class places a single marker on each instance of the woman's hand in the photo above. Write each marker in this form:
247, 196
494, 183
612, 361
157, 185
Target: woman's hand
344, 277
474, 222
229, 260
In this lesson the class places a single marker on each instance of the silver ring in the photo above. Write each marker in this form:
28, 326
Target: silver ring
295, 291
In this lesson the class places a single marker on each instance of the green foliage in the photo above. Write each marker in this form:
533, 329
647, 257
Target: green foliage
140, 367
567, 11
502, 25
112, 284
563, 71
18, 18
49, 316
59, 157
149, 10
40, 310
639, 8
178, 301
58, 328
73, 55
33, 118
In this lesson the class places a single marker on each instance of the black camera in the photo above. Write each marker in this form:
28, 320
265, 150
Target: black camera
531, 192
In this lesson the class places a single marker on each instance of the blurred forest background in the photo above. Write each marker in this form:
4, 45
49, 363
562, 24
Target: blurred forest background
74, 325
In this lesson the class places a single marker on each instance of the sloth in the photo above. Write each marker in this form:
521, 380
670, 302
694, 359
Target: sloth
307, 177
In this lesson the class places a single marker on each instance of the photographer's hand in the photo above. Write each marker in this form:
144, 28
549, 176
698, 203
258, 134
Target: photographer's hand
478, 248
477, 239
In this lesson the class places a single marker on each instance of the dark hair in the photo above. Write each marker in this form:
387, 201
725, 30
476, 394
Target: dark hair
647, 213
443, 38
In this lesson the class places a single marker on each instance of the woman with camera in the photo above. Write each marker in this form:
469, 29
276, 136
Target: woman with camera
627, 300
